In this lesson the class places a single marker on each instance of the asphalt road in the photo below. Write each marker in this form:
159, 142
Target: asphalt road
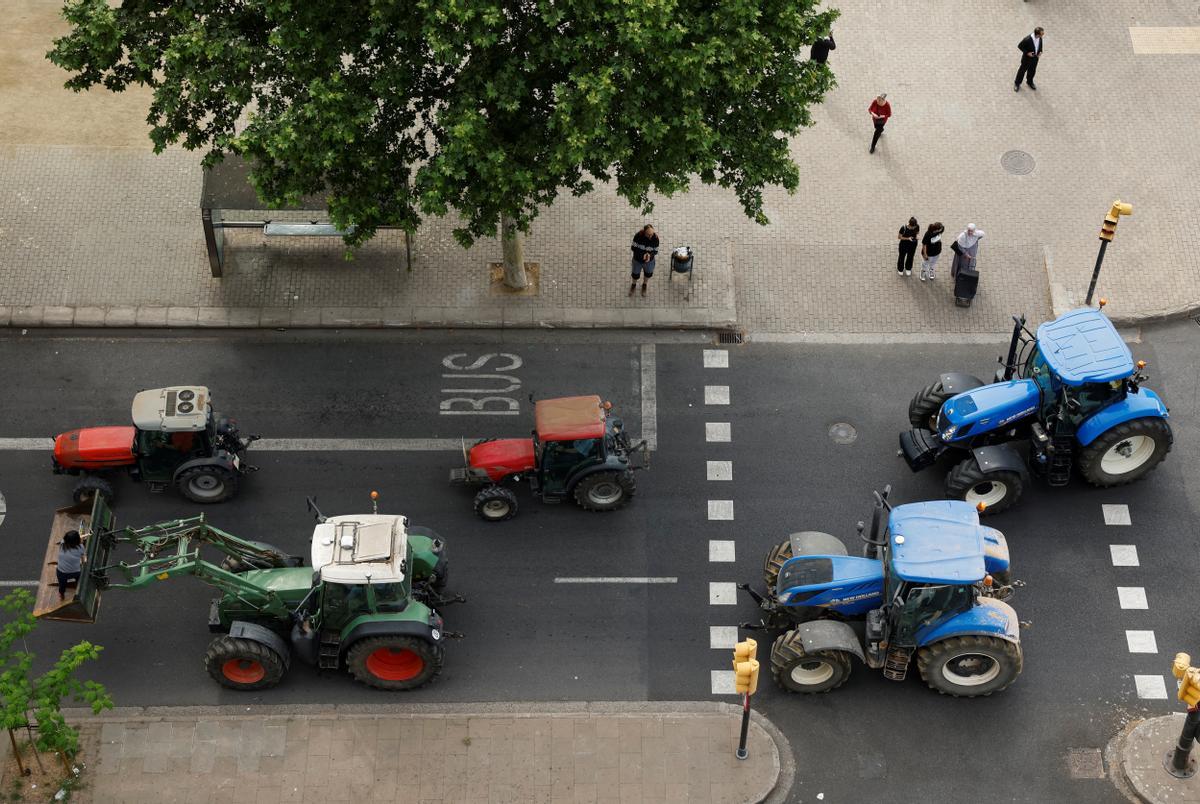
528, 638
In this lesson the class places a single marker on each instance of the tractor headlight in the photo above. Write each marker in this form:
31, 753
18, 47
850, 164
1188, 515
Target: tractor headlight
949, 432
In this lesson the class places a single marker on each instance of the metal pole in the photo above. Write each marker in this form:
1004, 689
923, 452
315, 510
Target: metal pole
742, 753
1179, 766
1096, 272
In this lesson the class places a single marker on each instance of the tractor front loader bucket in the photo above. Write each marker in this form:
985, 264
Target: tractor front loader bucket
82, 601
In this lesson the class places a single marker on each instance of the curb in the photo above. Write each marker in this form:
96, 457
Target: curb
1139, 752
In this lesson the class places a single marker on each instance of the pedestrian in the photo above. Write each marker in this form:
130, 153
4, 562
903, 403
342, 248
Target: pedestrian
880, 111
70, 561
821, 47
645, 247
1031, 51
966, 249
931, 249
908, 247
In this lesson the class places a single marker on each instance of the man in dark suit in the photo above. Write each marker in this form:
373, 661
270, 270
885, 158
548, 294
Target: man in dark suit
821, 47
1031, 51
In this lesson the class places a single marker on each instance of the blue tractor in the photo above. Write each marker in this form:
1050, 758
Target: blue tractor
1071, 397
932, 584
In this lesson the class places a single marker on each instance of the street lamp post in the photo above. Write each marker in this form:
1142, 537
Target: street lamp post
1107, 230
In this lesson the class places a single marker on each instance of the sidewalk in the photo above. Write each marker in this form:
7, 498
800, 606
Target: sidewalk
430, 754
1141, 753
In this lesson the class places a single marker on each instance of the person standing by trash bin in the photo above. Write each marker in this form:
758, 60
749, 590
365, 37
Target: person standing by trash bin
908, 247
645, 248
966, 249
931, 249
880, 111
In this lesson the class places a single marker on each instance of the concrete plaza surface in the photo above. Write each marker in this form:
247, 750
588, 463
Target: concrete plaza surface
96, 230
635, 752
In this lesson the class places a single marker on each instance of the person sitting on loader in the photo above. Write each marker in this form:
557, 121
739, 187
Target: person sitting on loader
70, 561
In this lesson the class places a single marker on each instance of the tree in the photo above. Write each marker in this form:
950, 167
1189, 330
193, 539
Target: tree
487, 108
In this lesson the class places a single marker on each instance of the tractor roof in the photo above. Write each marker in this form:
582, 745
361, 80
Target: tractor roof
569, 418
361, 547
180, 408
937, 542
1083, 346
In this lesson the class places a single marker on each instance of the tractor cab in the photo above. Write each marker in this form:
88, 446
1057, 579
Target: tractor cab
363, 561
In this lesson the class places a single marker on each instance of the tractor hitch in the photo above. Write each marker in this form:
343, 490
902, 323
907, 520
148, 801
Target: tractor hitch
759, 599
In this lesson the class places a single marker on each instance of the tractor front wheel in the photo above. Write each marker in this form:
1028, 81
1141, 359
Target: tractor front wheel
996, 490
797, 671
970, 666
1126, 452
773, 563
207, 484
605, 491
89, 486
394, 662
243, 664
924, 408
496, 504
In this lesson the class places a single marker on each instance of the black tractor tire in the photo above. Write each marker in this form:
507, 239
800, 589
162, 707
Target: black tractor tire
231, 564
982, 665
1091, 458
394, 662
796, 671
207, 484
495, 504
998, 491
605, 491
243, 664
925, 406
91, 485
777, 556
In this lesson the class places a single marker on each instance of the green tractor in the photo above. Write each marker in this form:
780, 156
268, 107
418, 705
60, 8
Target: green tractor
367, 604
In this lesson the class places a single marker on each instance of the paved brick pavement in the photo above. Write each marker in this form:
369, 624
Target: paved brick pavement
96, 230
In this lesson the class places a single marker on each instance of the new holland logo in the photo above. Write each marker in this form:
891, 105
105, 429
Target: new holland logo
853, 598
1019, 415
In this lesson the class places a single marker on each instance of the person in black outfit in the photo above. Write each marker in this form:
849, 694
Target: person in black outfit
1031, 51
908, 247
645, 247
821, 47
931, 249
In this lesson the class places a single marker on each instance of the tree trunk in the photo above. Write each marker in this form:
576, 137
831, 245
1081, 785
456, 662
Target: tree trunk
513, 243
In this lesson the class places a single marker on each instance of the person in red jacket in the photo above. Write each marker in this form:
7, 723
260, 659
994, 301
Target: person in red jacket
880, 111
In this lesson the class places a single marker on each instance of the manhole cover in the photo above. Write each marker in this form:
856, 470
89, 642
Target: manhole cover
1017, 162
843, 433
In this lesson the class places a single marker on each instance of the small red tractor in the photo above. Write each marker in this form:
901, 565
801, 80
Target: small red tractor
576, 450
176, 440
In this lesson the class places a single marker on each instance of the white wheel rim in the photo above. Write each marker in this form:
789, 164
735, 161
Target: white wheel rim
1127, 454
495, 508
988, 492
817, 672
605, 493
970, 661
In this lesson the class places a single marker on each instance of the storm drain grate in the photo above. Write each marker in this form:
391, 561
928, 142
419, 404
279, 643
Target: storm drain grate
1018, 163
734, 336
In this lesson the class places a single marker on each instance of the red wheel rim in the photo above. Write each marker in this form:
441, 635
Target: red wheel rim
392, 664
244, 671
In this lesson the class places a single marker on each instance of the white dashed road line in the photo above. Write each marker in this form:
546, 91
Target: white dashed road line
18, 583
1141, 642
1132, 597
26, 444
723, 682
1151, 687
1116, 515
721, 637
649, 391
720, 470
1123, 555
717, 432
720, 509
616, 580
716, 394
716, 358
721, 593
720, 550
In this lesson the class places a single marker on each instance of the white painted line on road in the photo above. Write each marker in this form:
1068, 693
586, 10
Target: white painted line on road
720, 509
19, 583
720, 470
1116, 515
359, 444
717, 432
720, 550
716, 394
723, 682
721, 637
721, 593
1124, 555
1132, 597
1151, 688
649, 372
26, 444
716, 358
1141, 642
613, 579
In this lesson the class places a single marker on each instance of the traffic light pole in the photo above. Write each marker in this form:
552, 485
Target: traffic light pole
1178, 764
742, 753
1096, 273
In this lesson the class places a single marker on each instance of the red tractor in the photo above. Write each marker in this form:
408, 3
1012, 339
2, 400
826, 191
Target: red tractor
576, 451
176, 440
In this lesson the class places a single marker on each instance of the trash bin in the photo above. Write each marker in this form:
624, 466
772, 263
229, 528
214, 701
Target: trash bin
966, 284
682, 259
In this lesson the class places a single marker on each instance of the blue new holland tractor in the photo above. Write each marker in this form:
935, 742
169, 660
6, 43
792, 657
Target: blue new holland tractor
932, 584
1071, 397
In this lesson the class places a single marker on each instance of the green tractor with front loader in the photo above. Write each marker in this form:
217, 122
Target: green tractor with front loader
368, 603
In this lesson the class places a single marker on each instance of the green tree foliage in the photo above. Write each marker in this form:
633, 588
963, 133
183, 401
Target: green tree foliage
27, 698
479, 107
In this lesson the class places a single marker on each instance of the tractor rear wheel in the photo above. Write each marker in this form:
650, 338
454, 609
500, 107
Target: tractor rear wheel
970, 666
605, 491
996, 490
496, 504
925, 406
243, 664
207, 484
1126, 452
777, 556
796, 671
89, 486
394, 662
